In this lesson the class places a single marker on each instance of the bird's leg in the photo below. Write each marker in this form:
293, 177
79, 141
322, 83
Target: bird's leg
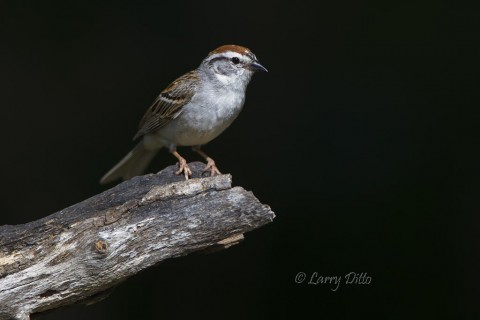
182, 164
210, 163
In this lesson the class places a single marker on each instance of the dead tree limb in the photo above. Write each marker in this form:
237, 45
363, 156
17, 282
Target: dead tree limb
78, 253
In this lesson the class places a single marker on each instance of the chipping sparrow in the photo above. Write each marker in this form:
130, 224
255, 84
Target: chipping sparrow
192, 111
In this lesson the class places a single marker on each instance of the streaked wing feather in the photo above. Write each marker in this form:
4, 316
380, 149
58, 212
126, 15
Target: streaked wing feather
168, 105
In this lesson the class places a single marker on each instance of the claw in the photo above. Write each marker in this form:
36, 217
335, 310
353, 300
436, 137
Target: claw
212, 167
183, 167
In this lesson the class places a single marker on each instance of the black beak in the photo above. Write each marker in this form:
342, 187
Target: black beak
256, 66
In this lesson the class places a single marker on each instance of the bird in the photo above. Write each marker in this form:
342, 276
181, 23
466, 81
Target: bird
192, 111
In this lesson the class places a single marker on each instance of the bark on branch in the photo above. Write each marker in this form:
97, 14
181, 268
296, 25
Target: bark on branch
79, 253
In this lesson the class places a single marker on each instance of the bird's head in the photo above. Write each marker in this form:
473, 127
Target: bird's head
231, 63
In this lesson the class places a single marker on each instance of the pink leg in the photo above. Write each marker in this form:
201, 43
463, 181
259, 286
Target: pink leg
210, 163
182, 164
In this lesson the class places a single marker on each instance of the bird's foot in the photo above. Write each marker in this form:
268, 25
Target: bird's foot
212, 167
183, 167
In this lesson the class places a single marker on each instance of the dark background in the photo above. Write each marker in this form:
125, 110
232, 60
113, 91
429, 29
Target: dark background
360, 138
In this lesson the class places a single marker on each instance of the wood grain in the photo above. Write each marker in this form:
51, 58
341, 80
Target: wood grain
77, 254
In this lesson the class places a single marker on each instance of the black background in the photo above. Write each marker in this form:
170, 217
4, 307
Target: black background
360, 138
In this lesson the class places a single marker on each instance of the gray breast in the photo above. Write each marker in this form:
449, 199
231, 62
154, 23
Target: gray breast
204, 118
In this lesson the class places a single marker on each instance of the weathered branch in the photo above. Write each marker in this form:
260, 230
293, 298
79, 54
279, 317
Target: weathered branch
79, 253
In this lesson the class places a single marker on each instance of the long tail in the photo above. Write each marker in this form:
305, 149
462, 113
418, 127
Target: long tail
133, 164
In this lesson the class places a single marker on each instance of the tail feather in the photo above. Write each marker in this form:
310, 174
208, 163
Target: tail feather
133, 164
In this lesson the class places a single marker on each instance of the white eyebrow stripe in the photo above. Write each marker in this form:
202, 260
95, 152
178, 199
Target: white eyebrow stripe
228, 54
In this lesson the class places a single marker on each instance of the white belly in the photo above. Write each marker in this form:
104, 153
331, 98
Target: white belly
201, 120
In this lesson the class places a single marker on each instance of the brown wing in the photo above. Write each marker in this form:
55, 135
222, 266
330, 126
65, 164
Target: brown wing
168, 105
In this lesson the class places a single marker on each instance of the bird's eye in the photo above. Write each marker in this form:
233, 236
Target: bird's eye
235, 60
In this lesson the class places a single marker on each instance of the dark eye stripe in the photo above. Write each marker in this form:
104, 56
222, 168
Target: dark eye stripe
223, 58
